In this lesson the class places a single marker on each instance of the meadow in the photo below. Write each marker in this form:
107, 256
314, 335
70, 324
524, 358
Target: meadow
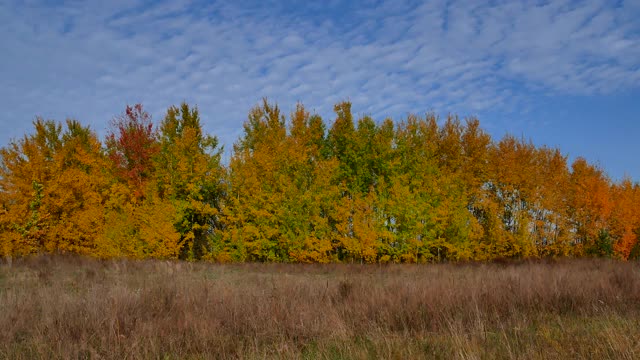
72, 307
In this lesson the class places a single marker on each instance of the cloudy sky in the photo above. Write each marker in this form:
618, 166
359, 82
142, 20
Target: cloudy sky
561, 73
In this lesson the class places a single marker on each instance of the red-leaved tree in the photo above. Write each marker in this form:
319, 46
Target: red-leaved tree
131, 145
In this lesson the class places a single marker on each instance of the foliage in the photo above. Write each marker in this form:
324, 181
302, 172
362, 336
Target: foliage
131, 145
299, 190
188, 173
52, 190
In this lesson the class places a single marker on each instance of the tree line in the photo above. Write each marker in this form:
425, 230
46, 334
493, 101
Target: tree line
299, 190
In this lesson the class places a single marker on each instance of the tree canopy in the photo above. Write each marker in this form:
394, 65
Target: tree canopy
299, 189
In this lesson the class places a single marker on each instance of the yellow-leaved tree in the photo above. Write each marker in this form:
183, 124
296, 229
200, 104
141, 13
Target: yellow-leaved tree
139, 222
280, 202
52, 185
189, 175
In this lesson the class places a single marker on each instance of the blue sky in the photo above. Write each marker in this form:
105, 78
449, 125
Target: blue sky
561, 73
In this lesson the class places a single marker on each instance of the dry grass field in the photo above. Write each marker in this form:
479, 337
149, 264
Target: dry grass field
79, 308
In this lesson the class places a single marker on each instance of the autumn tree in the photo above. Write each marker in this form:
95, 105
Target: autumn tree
589, 206
363, 152
131, 145
139, 222
412, 201
551, 227
280, 199
512, 192
625, 217
52, 190
188, 173
254, 202
309, 191
341, 140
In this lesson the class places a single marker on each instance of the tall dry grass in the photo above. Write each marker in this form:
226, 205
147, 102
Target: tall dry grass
72, 307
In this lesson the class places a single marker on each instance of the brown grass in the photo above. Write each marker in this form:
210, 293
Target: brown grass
72, 307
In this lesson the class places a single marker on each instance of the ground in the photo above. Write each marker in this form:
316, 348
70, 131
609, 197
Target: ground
74, 307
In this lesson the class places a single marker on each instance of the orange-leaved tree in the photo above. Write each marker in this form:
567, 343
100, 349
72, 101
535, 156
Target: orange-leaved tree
590, 209
625, 217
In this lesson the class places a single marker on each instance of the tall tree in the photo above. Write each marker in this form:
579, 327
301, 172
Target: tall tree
549, 204
132, 144
412, 198
281, 198
625, 217
139, 222
589, 206
341, 141
53, 183
189, 174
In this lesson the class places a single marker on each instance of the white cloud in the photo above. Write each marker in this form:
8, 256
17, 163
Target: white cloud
88, 59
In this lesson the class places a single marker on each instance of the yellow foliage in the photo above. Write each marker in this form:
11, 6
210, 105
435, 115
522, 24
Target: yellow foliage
362, 191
